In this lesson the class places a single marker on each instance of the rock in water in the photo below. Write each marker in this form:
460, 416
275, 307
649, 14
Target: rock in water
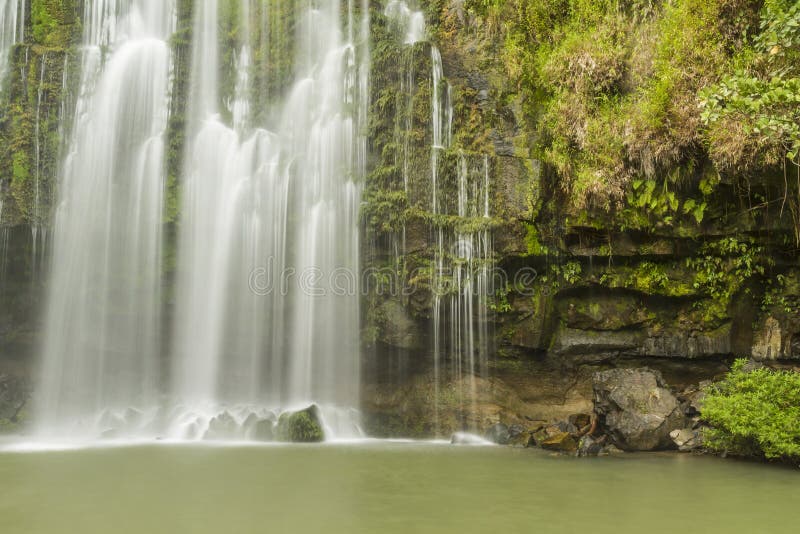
304, 426
498, 434
636, 408
687, 439
561, 442
223, 426
518, 436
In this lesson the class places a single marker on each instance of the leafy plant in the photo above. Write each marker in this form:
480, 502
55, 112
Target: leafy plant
754, 413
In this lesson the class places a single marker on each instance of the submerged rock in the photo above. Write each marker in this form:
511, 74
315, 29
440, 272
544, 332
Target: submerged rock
304, 426
637, 409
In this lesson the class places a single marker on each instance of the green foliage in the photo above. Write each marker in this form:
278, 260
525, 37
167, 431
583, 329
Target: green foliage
384, 211
649, 278
755, 413
568, 274
753, 114
498, 302
781, 295
724, 266
611, 94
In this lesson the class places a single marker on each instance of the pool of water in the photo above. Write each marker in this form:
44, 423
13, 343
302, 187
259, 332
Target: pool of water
387, 488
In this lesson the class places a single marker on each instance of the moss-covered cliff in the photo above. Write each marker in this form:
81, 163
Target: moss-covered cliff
657, 209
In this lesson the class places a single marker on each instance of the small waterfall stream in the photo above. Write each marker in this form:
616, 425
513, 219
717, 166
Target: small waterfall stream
462, 259
12, 29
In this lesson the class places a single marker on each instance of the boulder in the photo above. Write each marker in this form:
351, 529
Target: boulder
261, 427
223, 426
561, 442
498, 433
304, 426
636, 408
523, 439
687, 439
545, 433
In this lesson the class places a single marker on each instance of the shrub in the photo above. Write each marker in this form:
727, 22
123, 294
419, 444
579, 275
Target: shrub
755, 413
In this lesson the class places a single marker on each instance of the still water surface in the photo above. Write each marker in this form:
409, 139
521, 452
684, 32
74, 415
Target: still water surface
387, 488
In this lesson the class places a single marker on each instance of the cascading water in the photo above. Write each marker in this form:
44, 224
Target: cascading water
38, 217
267, 296
412, 23
267, 314
462, 257
100, 355
12, 29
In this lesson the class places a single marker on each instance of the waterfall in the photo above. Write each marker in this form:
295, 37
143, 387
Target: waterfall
410, 22
38, 216
100, 354
269, 232
461, 262
12, 29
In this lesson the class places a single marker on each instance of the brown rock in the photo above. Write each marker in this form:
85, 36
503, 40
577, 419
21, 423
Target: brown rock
562, 442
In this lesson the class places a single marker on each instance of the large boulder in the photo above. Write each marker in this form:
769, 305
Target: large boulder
304, 426
636, 408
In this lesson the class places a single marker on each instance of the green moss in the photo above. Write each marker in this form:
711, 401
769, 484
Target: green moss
300, 427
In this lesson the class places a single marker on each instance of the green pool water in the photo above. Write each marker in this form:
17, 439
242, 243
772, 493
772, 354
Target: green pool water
387, 487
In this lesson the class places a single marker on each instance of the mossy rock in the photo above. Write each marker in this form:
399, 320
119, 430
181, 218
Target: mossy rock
304, 426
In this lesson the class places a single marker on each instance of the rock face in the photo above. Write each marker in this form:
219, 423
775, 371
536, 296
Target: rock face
636, 408
304, 426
